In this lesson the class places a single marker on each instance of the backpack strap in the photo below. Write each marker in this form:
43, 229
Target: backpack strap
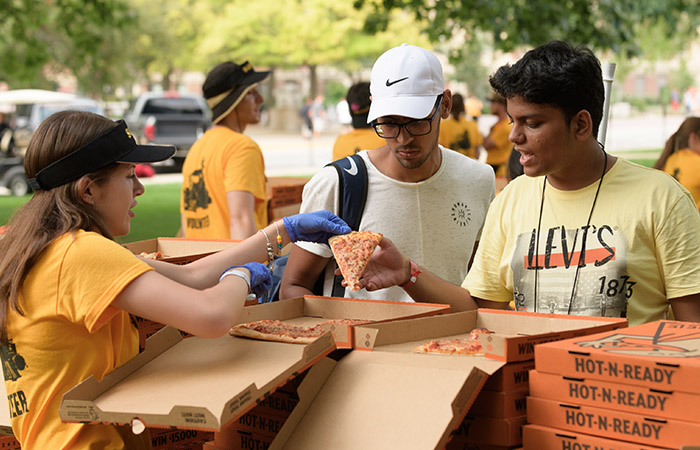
352, 195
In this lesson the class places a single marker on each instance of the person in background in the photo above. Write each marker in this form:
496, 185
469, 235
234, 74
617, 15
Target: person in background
430, 200
307, 126
582, 232
67, 289
474, 107
6, 137
496, 143
681, 156
362, 137
342, 113
224, 190
318, 115
459, 134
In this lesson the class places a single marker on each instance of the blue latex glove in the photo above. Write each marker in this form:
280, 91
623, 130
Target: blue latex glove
260, 279
317, 226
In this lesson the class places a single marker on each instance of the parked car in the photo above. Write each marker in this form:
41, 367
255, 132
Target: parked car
31, 107
169, 118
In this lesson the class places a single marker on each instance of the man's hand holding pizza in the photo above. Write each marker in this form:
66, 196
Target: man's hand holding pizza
387, 267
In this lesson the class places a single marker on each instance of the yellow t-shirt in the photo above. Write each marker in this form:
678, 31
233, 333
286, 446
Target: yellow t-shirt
684, 166
355, 141
68, 332
641, 249
221, 161
499, 134
460, 135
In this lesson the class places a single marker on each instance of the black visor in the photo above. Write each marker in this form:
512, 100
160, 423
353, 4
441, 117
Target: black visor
116, 145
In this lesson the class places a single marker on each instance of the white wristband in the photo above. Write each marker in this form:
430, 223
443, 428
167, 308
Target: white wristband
237, 273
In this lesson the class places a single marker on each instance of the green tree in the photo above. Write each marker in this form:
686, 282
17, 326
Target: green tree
600, 24
60, 35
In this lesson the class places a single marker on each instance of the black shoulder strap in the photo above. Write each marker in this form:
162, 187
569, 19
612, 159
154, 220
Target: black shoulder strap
352, 195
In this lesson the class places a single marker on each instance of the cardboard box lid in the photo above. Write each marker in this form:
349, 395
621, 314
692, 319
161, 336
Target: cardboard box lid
625, 426
193, 383
541, 437
390, 398
178, 248
514, 338
311, 310
623, 397
662, 355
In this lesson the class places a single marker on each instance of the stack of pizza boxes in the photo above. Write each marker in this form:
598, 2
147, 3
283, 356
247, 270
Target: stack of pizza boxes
627, 389
258, 427
495, 419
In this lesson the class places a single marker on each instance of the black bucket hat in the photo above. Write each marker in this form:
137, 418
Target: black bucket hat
227, 84
116, 145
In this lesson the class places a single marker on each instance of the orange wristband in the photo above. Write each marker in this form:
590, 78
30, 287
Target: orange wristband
413, 275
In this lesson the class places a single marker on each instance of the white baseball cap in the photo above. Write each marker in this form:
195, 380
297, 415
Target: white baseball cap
405, 81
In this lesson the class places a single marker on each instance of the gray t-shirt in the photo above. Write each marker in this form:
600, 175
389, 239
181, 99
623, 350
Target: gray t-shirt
435, 222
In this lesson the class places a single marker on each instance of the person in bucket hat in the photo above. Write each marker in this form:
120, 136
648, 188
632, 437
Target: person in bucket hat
224, 192
68, 289
429, 200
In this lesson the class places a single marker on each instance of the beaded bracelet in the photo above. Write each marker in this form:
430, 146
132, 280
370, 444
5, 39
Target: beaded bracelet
270, 251
279, 240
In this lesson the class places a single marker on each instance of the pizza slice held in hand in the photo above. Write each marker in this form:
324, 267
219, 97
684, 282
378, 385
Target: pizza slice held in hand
352, 252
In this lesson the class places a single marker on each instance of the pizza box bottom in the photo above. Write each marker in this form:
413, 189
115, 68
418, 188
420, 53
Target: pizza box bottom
193, 383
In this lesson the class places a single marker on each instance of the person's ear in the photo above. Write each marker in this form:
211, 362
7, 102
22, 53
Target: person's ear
446, 104
582, 125
85, 188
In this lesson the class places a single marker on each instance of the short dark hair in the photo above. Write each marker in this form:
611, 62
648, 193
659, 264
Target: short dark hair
556, 74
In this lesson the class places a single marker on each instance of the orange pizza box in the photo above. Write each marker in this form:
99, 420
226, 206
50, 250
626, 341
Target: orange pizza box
284, 191
603, 422
312, 310
500, 405
622, 397
488, 431
180, 250
461, 444
660, 355
9, 442
514, 334
511, 377
254, 422
194, 383
388, 398
242, 440
174, 439
538, 437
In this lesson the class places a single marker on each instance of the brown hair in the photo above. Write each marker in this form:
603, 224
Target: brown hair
678, 140
52, 213
457, 106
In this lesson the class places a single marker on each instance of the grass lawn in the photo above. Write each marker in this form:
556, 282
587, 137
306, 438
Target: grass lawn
157, 214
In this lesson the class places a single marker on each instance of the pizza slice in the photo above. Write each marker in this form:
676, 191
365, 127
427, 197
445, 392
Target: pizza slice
456, 346
275, 330
152, 255
352, 252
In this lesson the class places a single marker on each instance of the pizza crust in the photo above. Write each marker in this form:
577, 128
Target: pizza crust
242, 331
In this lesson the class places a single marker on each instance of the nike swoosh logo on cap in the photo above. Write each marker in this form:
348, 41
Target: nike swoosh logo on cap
353, 168
391, 83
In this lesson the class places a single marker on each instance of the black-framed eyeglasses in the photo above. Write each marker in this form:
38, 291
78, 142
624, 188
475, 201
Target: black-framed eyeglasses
418, 127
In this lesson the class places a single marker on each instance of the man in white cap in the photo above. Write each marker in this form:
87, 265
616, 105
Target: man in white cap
224, 192
428, 200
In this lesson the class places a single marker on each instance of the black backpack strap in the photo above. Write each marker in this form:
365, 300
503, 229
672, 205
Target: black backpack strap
352, 195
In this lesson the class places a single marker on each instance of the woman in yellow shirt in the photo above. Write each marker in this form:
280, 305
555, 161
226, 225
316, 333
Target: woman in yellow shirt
681, 156
67, 288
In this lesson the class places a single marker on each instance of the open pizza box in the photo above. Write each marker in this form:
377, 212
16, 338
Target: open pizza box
193, 383
311, 310
180, 250
387, 398
513, 338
